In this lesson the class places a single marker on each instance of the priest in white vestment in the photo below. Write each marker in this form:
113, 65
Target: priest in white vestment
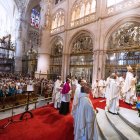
129, 88
107, 93
81, 83
96, 89
74, 83
85, 117
76, 97
113, 96
102, 86
56, 97
120, 80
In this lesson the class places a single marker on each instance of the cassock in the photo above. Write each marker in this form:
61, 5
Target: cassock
113, 96
65, 99
84, 120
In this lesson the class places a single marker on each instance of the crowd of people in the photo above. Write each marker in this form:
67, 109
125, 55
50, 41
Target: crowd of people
82, 108
116, 87
13, 86
74, 91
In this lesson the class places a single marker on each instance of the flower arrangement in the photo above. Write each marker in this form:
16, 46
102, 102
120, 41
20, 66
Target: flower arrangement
138, 107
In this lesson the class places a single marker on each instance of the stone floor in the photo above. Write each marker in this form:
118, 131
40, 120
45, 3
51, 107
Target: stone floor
19, 110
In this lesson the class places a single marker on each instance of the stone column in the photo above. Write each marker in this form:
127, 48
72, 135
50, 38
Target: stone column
43, 64
104, 57
65, 66
95, 67
99, 65
19, 44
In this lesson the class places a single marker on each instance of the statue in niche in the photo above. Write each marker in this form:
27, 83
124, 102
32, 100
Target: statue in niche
89, 43
76, 47
47, 20
84, 43
135, 35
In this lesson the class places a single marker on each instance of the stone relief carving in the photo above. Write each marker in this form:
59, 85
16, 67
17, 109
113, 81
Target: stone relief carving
58, 48
119, 6
127, 35
82, 44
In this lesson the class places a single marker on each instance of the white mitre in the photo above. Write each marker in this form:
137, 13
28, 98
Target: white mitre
129, 68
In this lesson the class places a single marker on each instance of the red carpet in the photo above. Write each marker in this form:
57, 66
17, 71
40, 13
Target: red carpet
47, 124
101, 103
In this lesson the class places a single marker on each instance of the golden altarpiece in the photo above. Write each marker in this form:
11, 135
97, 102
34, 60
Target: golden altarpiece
56, 59
81, 57
7, 54
124, 49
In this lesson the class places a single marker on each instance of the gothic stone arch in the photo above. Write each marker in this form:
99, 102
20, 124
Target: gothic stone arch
123, 45
81, 55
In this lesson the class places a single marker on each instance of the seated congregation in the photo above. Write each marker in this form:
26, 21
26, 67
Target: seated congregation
13, 89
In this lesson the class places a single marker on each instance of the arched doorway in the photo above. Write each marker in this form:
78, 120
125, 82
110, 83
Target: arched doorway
81, 57
123, 48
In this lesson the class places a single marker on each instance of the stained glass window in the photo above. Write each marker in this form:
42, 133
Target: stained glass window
35, 18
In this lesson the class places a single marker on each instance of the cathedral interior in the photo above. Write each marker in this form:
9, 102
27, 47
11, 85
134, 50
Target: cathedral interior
82, 38
88, 39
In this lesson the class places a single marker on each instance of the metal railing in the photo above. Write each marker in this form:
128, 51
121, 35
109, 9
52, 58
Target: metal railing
30, 102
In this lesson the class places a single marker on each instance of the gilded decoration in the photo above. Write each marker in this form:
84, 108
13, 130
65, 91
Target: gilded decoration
81, 58
123, 48
82, 45
128, 35
56, 58
57, 48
